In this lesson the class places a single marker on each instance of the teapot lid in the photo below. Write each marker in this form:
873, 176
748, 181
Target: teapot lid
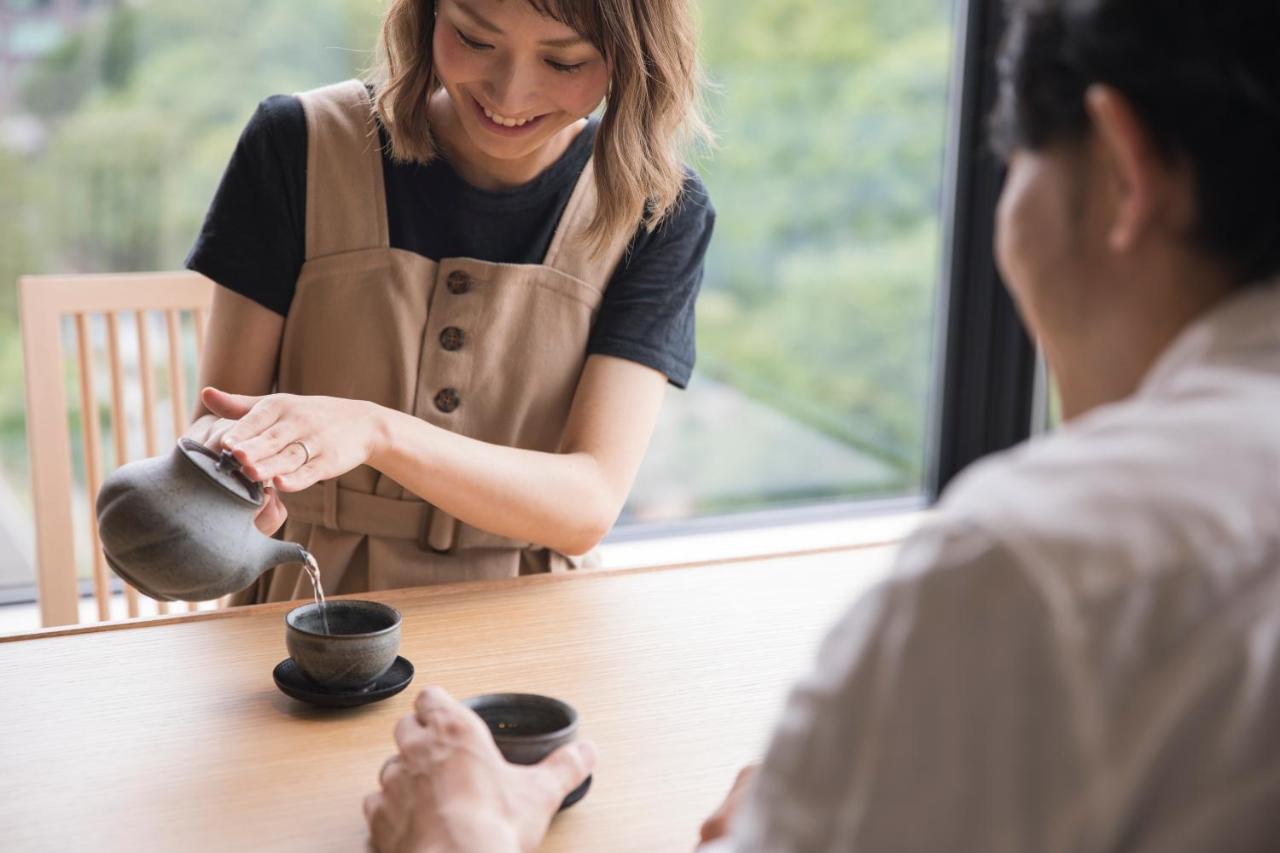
223, 469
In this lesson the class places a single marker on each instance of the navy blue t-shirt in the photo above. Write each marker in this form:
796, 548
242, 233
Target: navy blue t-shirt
254, 235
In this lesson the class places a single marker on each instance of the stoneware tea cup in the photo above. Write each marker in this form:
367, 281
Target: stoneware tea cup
528, 727
360, 645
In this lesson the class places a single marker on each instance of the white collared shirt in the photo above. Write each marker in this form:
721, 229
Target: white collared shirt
1080, 652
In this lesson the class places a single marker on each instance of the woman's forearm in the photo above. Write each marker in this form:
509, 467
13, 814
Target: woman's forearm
559, 500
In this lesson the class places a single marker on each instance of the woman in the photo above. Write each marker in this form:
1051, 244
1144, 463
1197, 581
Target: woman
469, 326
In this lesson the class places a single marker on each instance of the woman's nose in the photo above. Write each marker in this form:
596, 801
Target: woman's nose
511, 88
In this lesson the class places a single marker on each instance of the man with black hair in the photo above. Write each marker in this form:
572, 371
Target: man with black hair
1081, 649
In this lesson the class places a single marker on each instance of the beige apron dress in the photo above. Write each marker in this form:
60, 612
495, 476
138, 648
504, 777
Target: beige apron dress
490, 351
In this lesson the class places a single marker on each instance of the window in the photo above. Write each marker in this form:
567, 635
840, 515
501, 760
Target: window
816, 321
816, 317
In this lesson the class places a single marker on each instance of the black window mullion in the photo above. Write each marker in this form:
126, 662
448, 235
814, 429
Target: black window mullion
984, 374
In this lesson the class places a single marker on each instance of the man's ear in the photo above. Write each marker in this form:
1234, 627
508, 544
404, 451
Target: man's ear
1137, 178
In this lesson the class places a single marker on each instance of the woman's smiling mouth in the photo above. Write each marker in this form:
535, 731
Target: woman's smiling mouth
504, 124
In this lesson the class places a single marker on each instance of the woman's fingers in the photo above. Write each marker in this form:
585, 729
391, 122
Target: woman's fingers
288, 460
255, 452
261, 417
224, 405
304, 477
273, 513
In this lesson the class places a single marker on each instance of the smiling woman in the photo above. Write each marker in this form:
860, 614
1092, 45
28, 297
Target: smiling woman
547, 63
450, 299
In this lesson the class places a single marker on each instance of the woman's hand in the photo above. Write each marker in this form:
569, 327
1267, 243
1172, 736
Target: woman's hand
209, 431
449, 788
293, 442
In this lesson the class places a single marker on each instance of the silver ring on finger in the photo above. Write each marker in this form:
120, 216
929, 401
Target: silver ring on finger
305, 450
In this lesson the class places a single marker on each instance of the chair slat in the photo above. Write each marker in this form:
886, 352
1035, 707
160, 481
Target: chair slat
177, 385
145, 370
148, 382
119, 425
200, 317
91, 433
177, 379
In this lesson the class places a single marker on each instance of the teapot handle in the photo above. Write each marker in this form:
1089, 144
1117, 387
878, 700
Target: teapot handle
227, 464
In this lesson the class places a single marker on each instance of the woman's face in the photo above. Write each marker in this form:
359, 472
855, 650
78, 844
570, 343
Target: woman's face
514, 77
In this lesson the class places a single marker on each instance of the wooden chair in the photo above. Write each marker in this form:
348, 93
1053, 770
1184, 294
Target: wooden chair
137, 298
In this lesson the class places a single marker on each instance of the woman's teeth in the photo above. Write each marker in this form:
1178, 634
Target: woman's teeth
504, 121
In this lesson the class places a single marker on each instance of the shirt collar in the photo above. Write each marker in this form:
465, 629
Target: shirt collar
1249, 319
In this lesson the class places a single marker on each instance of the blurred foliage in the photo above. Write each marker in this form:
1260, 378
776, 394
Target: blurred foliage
831, 119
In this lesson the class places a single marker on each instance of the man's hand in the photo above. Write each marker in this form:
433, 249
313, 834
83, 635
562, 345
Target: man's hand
449, 788
717, 826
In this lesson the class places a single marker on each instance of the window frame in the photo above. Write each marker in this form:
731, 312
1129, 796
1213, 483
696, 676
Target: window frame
985, 364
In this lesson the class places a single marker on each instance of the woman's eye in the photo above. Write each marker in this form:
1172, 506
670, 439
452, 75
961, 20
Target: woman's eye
470, 42
566, 69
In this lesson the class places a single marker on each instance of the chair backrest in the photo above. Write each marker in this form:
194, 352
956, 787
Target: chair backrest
98, 307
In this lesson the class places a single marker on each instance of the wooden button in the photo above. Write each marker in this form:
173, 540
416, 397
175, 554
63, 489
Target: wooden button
459, 282
447, 400
451, 338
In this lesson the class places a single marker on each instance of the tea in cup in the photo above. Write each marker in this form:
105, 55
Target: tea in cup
359, 645
528, 727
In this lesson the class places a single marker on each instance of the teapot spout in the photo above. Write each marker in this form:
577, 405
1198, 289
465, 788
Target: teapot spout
281, 551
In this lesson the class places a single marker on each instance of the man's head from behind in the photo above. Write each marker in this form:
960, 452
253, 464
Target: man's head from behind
1143, 142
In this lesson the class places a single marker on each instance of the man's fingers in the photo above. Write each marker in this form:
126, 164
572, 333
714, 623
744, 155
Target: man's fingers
382, 828
718, 824
568, 767
408, 729
714, 827
433, 698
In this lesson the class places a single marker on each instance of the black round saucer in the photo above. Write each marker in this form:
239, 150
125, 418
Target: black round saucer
292, 682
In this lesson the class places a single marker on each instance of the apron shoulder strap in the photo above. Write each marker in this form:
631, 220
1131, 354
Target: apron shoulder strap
570, 251
346, 199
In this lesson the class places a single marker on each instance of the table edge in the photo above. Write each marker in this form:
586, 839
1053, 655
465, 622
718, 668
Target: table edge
462, 587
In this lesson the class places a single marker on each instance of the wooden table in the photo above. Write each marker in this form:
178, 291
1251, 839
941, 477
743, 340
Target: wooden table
170, 735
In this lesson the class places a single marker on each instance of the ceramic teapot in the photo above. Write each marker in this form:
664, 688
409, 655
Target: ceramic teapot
180, 527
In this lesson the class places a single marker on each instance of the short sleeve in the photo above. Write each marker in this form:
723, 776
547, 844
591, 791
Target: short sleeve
938, 716
648, 311
253, 237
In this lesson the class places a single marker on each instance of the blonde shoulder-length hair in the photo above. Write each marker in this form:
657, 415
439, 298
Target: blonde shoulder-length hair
652, 111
